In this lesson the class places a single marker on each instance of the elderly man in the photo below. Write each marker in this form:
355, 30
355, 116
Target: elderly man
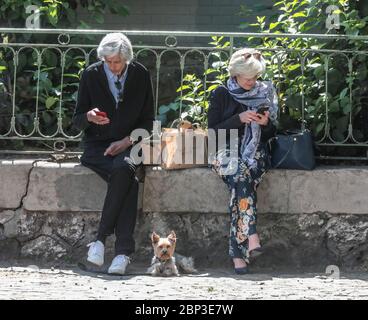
114, 98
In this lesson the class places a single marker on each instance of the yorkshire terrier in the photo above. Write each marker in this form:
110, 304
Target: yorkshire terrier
164, 260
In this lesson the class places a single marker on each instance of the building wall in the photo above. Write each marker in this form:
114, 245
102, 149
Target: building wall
189, 15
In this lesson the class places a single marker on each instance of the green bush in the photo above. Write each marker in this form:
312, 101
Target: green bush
59, 14
192, 104
298, 17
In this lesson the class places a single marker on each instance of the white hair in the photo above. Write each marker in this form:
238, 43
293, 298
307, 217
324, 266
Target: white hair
247, 62
115, 44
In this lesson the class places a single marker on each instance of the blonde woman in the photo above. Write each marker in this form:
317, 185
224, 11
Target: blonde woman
249, 105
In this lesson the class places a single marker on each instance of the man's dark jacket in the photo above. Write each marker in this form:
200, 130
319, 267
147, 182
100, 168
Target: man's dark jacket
134, 111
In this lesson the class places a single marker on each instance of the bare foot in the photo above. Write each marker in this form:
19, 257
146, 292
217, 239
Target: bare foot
239, 263
253, 242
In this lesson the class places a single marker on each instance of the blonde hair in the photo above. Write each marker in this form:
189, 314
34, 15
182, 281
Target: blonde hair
115, 44
247, 62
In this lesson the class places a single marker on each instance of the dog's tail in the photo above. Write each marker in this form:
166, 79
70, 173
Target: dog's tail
186, 264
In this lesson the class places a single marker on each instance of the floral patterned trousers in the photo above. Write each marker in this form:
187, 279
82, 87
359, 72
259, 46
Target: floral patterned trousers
242, 182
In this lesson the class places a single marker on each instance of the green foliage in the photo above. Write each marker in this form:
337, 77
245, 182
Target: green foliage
193, 99
55, 13
331, 91
323, 97
195, 92
167, 114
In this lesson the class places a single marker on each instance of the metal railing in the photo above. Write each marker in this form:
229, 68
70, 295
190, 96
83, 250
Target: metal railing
169, 56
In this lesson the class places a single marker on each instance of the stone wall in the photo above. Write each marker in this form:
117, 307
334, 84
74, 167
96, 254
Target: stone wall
50, 211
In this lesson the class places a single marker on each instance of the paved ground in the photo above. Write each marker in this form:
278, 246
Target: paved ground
33, 283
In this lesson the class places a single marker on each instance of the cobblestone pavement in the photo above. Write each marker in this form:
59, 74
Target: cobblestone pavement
33, 283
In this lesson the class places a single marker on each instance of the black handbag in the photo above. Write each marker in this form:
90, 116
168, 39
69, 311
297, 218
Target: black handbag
293, 150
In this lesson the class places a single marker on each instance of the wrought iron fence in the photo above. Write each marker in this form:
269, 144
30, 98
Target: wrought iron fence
39, 81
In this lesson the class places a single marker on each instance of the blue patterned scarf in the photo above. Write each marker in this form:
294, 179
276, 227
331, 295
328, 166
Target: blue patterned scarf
263, 93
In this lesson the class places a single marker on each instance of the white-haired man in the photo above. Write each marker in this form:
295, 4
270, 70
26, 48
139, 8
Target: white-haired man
114, 98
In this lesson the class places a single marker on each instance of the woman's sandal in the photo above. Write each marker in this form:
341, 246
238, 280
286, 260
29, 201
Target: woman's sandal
242, 270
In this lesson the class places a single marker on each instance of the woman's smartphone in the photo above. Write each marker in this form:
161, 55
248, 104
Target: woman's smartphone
262, 110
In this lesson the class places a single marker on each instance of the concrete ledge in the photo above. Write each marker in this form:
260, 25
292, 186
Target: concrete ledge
65, 187
326, 189
307, 218
193, 190
71, 187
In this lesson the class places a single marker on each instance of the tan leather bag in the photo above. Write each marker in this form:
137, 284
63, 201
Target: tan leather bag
179, 148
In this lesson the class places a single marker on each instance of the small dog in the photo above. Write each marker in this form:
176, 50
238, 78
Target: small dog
164, 260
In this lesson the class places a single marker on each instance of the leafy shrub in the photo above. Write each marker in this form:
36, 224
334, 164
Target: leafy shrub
335, 87
192, 104
328, 78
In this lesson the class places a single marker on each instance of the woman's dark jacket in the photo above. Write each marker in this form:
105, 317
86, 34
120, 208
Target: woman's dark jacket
223, 113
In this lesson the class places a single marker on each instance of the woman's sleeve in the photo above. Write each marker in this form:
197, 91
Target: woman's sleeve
269, 131
215, 112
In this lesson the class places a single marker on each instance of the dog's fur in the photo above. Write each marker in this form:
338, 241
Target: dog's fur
165, 259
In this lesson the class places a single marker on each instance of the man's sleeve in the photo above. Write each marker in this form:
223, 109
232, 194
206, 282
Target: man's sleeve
147, 115
83, 105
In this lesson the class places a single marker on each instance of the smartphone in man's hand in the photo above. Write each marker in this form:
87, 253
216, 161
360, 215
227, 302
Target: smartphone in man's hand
101, 114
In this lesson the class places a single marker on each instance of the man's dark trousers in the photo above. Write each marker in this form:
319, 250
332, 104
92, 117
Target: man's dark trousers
120, 207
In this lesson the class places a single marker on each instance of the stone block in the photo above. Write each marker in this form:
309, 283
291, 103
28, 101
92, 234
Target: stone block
65, 187
13, 176
326, 189
194, 190
43, 248
9, 224
332, 190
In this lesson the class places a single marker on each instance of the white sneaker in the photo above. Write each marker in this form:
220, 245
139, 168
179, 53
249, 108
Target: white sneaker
96, 253
119, 264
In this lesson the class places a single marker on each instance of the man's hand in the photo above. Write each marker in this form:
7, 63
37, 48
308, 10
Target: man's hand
118, 147
94, 118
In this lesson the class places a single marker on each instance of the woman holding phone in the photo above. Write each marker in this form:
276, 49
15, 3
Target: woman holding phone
250, 106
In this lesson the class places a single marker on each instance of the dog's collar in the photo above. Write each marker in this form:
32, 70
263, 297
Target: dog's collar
162, 261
